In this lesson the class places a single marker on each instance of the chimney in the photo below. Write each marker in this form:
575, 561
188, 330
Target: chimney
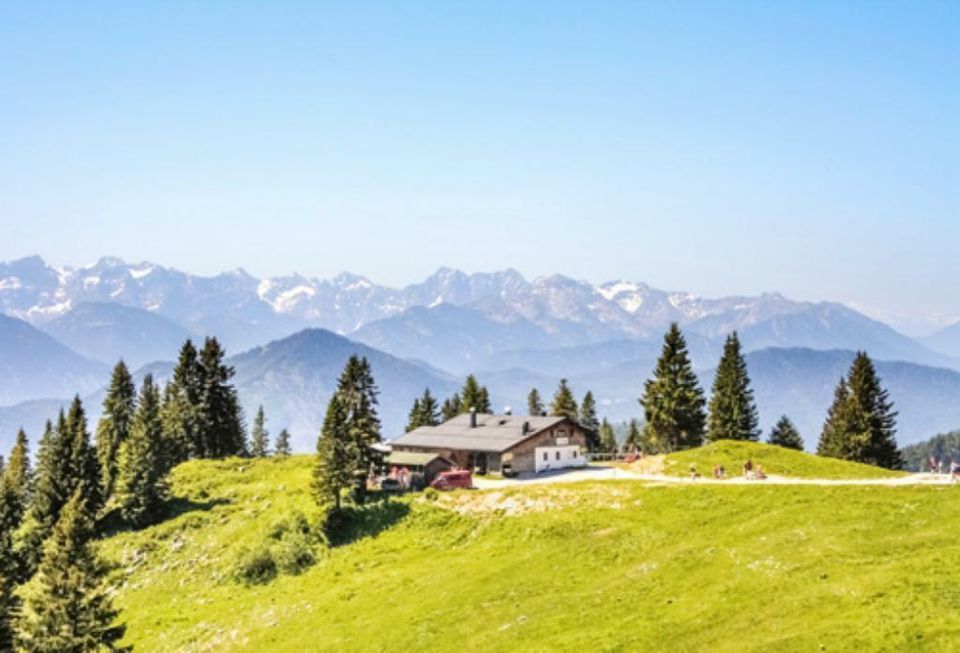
473, 417
507, 411
526, 427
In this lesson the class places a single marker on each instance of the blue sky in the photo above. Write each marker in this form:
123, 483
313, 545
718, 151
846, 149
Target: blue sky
811, 148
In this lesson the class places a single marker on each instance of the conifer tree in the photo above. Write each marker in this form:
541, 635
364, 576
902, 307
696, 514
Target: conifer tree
181, 408
452, 407
608, 438
19, 473
535, 406
589, 421
564, 404
429, 411
358, 395
259, 435
785, 434
733, 411
114, 426
141, 479
336, 456
282, 446
474, 396
673, 402
66, 606
413, 419
85, 473
9, 569
861, 424
634, 441
220, 418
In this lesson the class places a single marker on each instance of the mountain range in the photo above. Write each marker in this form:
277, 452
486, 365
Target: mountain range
294, 332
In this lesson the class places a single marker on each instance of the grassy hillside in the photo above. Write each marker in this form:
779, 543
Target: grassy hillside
775, 460
617, 566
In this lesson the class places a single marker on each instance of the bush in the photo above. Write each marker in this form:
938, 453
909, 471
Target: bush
431, 494
256, 566
294, 553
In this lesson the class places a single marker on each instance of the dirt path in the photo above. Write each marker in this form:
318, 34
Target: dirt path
603, 473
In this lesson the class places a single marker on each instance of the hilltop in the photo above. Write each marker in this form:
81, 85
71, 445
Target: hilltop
603, 566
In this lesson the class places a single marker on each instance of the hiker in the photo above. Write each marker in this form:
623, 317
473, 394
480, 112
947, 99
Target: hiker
760, 475
716, 471
933, 465
722, 472
748, 469
954, 471
693, 473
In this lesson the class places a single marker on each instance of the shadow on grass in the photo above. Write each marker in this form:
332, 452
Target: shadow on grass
353, 523
113, 524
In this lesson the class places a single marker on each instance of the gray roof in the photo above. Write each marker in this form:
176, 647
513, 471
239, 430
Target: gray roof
495, 433
410, 458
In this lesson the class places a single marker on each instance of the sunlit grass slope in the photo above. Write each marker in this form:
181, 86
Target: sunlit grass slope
616, 566
778, 461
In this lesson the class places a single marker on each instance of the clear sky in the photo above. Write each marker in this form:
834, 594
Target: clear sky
807, 147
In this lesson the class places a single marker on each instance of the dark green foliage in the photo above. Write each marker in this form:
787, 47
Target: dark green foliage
861, 424
18, 474
451, 407
785, 434
608, 438
259, 436
114, 426
673, 402
358, 397
535, 406
141, 484
84, 472
11, 513
589, 421
475, 396
733, 411
256, 566
945, 447
634, 442
49, 495
220, 418
424, 412
282, 446
336, 456
66, 607
182, 423
564, 404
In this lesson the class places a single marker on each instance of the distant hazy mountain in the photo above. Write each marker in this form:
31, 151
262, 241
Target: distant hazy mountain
33, 365
946, 341
107, 332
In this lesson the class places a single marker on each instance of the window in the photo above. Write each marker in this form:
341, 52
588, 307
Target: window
558, 455
561, 433
545, 456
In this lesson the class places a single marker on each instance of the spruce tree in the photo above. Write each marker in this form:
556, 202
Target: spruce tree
608, 438
359, 397
259, 435
673, 402
413, 419
66, 606
220, 417
589, 421
18, 472
452, 407
141, 479
564, 404
429, 410
85, 471
862, 424
336, 456
535, 406
785, 434
475, 396
114, 426
9, 568
181, 408
733, 411
634, 441
282, 447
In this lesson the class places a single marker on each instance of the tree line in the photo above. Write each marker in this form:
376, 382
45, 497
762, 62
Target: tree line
52, 592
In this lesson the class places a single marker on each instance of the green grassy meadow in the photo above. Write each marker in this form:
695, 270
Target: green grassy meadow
596, 566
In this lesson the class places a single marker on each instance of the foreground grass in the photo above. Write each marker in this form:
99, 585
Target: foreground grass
616, 566
778, 461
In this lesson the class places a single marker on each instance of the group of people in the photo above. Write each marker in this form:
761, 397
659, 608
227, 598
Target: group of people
751, 472
936, 467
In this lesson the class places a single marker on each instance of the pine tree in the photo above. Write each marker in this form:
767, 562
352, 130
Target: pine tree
429, 411
336, 456
220, 417
608, 438
535, 406
85, 473
733, 412
282, 446
66, 606
358, 395
259, 435
413, 419
19, 473
862, 424
9, 569
114, 426
141, 479
785, 434
474, 396
564, 404
452, 407
589, 421
181, 408
634, 441
673, 402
